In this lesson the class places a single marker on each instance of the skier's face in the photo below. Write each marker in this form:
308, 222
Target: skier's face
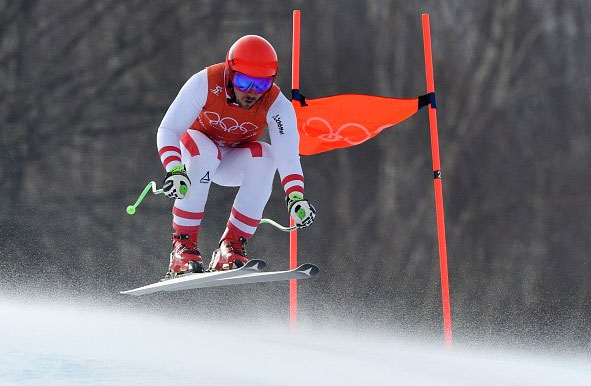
246, 99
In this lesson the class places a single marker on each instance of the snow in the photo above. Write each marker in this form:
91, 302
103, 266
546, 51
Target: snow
52, 343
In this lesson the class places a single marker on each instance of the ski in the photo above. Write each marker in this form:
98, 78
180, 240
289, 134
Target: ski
304, 271
189, 281
248, 274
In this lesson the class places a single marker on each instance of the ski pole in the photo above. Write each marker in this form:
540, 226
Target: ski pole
278, 226
152, 185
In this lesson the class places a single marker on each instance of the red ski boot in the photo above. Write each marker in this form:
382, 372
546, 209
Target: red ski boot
185, 256
231, 253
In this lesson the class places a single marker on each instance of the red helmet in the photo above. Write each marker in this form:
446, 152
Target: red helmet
253, 55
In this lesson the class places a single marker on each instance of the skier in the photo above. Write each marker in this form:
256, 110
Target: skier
209, 134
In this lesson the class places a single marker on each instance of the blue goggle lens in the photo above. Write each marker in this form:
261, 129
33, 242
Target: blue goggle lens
245, 83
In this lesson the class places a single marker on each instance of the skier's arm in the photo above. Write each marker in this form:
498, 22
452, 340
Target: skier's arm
180, 115
285, 140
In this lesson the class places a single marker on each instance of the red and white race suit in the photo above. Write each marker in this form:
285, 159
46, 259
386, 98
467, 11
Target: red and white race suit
217, 142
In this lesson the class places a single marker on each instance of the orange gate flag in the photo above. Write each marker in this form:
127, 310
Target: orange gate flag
345, 120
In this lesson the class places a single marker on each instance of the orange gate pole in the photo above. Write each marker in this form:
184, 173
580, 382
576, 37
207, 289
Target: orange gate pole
293, 235
437, 181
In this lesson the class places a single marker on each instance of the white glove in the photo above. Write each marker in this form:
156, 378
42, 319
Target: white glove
176, 183
300, 209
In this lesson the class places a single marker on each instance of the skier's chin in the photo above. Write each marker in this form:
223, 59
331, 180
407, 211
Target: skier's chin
247, 103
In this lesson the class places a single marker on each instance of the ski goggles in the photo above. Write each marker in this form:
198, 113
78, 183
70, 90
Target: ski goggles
245, 83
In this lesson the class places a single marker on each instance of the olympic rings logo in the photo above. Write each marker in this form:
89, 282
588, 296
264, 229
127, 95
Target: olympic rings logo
361, 135
229, 124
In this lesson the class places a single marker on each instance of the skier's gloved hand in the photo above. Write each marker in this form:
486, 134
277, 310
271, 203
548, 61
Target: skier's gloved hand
176, 183
300, 209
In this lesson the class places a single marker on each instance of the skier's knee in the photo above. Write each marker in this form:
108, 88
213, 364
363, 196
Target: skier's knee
267, 150
196, 144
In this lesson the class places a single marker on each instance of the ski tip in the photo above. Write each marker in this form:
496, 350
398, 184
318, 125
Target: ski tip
139, 291
148, 289
309, 269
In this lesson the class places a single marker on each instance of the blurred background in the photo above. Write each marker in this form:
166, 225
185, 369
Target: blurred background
85, 84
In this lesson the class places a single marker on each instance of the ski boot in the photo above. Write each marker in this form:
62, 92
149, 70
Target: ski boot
231, 253
185, 256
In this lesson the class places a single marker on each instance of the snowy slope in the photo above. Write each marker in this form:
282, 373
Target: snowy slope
53, 344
